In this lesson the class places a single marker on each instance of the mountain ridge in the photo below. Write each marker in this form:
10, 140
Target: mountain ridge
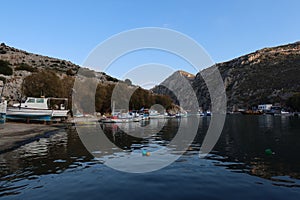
268, 75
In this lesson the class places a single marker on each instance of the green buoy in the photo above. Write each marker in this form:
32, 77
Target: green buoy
268, 152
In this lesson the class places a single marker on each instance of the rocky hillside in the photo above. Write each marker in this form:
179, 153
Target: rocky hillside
269, 75
178, 83
17, 64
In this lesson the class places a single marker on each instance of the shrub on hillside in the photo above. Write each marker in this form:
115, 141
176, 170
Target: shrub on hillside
45, 83
294, 102
3, 79
26, 67
48, 84
2, 51
5, 68
109, 78
70, 72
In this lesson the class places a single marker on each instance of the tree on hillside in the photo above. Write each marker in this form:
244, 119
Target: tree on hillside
101, 93
45, 83
140, 98
128, 82
294, 102
5, 68
66, 90
163, 100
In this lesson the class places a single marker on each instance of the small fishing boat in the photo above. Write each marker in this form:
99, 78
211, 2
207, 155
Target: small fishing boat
122, 117
169, 115
252, 112
120, 120
205, 113
154, 114
38, 109
181, 114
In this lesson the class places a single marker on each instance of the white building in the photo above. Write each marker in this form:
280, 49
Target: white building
264, 107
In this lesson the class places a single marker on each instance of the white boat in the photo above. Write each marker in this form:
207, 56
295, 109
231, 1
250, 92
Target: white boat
121, 120
285, 113
3, 106
84, 120
205, 113
181, 114
154, 114
41, 109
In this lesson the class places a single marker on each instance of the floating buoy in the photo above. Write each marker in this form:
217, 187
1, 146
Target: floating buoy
268, 152
144, 153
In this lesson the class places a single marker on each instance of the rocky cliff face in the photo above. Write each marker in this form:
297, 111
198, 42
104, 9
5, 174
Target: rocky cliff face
179, 81
269, 75
23, 64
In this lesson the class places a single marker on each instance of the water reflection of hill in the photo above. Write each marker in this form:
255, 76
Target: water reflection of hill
244, 140
241, 148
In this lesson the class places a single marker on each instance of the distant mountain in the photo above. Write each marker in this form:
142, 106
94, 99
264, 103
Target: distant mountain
16, 64
269, 75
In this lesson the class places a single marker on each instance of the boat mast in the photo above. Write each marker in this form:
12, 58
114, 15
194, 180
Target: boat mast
113, 108
21, 96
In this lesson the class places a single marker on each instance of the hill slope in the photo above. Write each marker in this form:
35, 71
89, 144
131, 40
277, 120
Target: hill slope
16, 65
269, 75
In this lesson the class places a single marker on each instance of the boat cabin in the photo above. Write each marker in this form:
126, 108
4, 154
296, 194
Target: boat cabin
44, 103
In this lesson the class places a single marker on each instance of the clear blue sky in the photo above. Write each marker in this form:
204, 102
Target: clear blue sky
70, 29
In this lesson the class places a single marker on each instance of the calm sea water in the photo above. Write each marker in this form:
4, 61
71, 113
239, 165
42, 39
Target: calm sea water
59, 166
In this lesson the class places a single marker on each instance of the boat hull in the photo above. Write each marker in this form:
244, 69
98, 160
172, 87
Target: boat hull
28, 114
156, 116
40, 109
251, 112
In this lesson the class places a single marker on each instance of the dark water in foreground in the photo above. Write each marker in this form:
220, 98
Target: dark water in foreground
59, 167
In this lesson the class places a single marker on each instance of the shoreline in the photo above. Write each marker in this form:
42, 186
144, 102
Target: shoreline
13, 134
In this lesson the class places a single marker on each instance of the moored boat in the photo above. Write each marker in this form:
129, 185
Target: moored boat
28, 114
181, 114
205, 113
120, 120
252, 112
38, 109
